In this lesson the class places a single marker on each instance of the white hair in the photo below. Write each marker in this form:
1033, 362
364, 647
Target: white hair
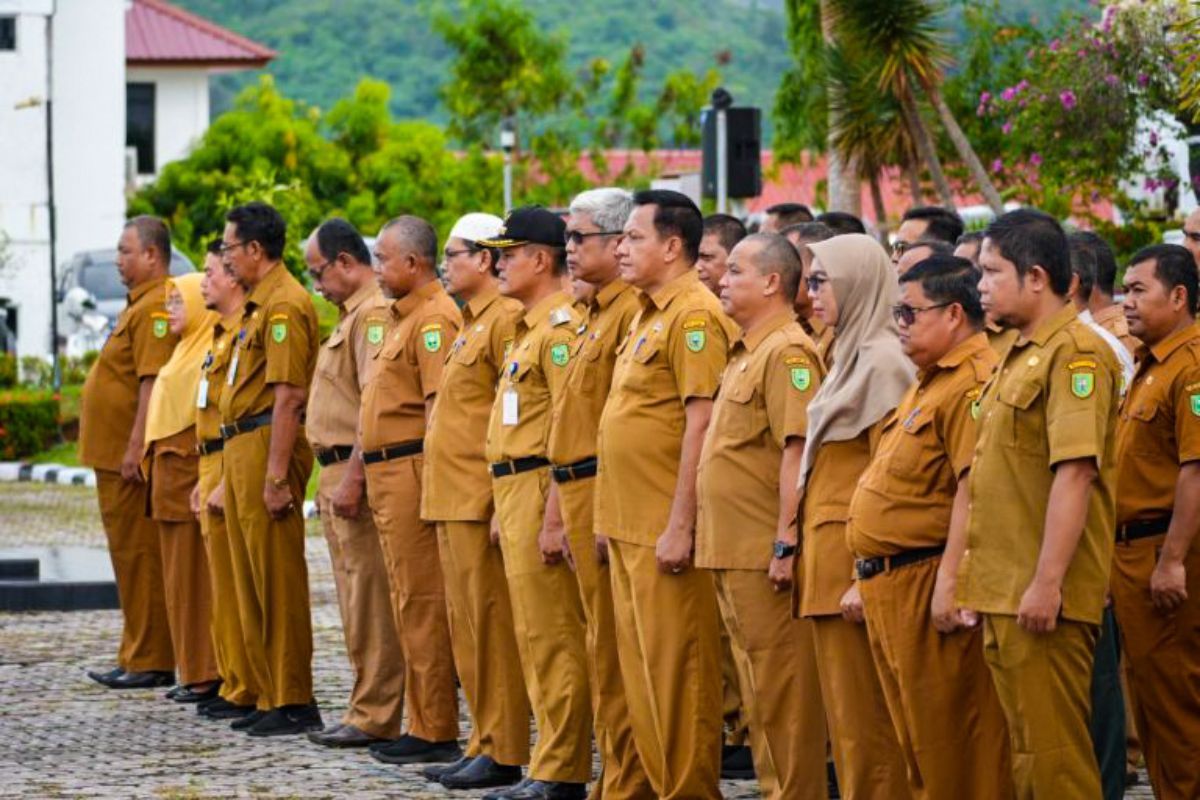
609, 207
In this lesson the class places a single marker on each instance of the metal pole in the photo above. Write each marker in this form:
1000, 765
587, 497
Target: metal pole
57, 373
722, 164
508, 175
508, 143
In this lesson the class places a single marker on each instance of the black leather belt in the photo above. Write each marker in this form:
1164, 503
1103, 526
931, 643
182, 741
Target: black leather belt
1143, 529
399, 450
584, 468
502, 469
333, 455
245, 425
867, 568
207, 447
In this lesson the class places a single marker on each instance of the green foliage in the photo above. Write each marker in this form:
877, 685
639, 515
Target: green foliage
28, 423
38, 373
8, 370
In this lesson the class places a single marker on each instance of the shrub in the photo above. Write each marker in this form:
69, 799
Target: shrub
28, 423
8, 370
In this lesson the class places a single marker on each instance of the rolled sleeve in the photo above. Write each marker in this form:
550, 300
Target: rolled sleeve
287, 345
153, 343
698, 348
791, 382
434, 337
1077, 419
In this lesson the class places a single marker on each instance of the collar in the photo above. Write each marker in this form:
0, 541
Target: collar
226, 324
406, 305
1163, 350
358, 298
541, 311
973, 344
1113, 313
480, 302
268, 284
753, 338
143, 289
676, 286
1050, 326
606, 296
813, 326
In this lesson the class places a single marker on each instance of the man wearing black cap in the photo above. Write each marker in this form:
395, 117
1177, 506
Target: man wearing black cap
547, 610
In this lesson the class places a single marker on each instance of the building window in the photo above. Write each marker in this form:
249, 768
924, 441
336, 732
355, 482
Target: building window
8, 33
139, 124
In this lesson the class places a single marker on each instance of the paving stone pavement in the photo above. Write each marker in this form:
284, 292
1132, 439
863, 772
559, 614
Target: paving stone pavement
63, 736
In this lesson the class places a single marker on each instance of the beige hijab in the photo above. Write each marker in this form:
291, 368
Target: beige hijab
173, 399
870, 372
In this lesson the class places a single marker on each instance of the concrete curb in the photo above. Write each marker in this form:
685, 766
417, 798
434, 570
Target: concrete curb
23, 472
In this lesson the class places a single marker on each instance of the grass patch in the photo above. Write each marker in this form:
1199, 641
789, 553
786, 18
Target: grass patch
66, 454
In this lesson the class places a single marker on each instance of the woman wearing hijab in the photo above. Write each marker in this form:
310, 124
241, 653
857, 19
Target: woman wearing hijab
173, 473
853, 288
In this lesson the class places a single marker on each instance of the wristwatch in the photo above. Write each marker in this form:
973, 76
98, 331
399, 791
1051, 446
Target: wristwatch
278, 483
784, 549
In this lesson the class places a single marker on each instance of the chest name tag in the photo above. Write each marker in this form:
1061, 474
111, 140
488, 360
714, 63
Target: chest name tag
202, 393
233, 365
510, 410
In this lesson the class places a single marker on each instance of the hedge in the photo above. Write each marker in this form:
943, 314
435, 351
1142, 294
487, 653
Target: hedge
28, 423
8, 370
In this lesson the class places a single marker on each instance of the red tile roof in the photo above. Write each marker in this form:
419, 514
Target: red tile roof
160, 34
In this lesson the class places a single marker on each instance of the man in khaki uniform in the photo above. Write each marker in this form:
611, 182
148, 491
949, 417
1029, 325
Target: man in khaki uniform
1156, 565
112, 428
721, 233
396, 403
340, 267
592, 232
907, 530
648, 446
1039, 538
240, 687
746, 495
547, 612
267, 462
458, 497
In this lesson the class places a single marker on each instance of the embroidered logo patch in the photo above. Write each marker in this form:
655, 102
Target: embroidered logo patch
432, 340
975, 409
375, 332
160, 327
560, 354
696, 340
1083, 384
1196, 404
279, 332
801, 378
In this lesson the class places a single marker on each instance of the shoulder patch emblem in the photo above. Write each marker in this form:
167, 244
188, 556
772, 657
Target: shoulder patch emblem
279, 331
1192, 387
161, 327
1083, 384
375, 332
1082, 364
431, 336
801, 378
790, 360
560, 354
975, 408
695, 340
1196, 405
694, 324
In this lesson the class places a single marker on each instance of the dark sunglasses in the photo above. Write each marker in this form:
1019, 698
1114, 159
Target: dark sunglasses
576, 237
813, 282
908, 314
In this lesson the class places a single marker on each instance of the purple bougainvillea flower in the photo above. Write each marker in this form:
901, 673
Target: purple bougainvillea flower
997, 165
1035, 160
1143, 79
985, 98
1068, 99
1006, 128
1111, 80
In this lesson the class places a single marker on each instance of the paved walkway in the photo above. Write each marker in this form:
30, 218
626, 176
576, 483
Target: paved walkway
63, 736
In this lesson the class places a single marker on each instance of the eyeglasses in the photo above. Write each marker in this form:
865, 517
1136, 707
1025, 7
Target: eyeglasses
899, 246
814, 282
319, 273
908, 314
225, 248
576, 237
449, 254
1193, 235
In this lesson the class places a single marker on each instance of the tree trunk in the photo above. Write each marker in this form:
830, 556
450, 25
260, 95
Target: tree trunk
914, 181
881, 222
965, 151
925, 147
842, 178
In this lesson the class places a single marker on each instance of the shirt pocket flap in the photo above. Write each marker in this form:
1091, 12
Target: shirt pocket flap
741, 392
517, 374
1020, 395
1145, 410
465, 351
645, 351
916, 421
393, 346
336, 338
122, 324
826, 513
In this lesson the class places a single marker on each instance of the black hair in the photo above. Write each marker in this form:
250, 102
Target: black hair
1173, 266
259, 222
950, 279
729, 230
937, 247
776, 254
417, 234
942, 223
809, 231
1083, 264
213, 248
1028, 237
675, 215
337, 236
152, 232
1090, 247
841, 222
790, 213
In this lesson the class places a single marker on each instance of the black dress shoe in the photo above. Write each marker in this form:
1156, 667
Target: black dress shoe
342, 736
142, 680
415, 750
543, 790
483, 772
244, 721
221, 708
188, 694
173, 692
736, 763
290, 720
831, 781
105, 678
435, 772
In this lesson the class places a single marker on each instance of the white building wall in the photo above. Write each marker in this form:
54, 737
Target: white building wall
88, 94
180, 109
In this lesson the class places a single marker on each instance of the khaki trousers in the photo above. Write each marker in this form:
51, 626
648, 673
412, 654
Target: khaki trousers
377, 697
269, 569
669, 645
866, 754
621, 772
777, 670
551, 633
1044, 681
1162, 654
238, 685
939, 692
418, 594
133, 545
733, 709
485, 643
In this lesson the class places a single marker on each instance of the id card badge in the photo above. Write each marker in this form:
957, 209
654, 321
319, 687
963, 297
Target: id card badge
202, 393
229, 379
510, 407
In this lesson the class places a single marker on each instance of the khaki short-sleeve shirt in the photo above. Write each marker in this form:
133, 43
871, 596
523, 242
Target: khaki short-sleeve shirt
276, 343
533, 375
676, 351
1159, 426
212, 378
344, 366
822, 336
457, 484
1054, 399
904, 498
577, 410
1112, 319
140, 344
773, 373
408, 367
